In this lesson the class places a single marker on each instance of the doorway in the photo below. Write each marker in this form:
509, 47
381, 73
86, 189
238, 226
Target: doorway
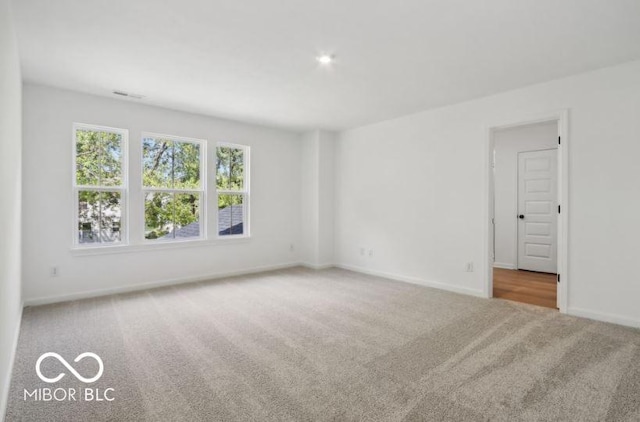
527, 180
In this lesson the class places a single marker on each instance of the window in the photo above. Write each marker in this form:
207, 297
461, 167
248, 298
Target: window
232, 189
173, 187
99, 185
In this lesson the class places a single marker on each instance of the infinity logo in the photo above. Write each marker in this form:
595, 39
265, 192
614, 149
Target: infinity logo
69, 367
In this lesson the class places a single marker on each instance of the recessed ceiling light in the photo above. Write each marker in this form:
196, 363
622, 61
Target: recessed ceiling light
325, 59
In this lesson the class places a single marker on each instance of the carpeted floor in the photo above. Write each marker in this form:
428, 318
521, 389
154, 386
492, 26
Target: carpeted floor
332, 345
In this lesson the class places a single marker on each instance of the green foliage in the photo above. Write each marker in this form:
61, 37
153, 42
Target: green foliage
98, 158
158, 216
229, 174
98, 163
165, 211
225, 200
172, 165
167, 164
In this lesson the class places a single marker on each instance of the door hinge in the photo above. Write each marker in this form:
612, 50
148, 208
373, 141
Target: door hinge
558, 209
559, 140
558, 278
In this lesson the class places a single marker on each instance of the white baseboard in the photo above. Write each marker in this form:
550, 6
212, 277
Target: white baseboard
579, 312
414, 280
150, 285
504, 266
317, 266
6, 383
601, 316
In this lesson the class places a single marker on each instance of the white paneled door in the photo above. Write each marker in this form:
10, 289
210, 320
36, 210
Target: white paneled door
538, 210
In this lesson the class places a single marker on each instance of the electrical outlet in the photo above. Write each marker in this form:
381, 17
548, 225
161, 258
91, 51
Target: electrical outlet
292, 247
55, 271
362, 251
370, 253
469, 267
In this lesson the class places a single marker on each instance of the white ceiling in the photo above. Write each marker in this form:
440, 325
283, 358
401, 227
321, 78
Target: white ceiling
253, 60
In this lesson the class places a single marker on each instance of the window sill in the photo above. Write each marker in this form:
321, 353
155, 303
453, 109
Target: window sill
150, 247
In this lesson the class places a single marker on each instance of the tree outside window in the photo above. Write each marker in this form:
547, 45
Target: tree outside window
173, 189
232, 189
99, 184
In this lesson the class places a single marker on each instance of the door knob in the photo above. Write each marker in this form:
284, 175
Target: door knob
521, 217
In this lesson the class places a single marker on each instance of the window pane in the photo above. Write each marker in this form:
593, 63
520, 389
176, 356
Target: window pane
88, 217
98, 158
110, 217
230, 214
186, 165
87, 158
230, 168
110, 159
236, 169
158, 215
157, 160
223, 156
187, 216
170, 216
99, 217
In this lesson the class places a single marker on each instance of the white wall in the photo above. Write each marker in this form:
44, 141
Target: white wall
414, 190
326, 152
508, 143
47, 220
10, 186
317, 208
309, 198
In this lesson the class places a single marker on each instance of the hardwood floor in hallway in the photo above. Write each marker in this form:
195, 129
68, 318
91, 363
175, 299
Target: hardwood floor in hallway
525, 286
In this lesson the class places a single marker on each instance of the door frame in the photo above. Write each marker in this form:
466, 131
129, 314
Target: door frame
562, 118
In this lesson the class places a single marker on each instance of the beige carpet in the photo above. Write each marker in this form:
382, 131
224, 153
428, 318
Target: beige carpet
303, 345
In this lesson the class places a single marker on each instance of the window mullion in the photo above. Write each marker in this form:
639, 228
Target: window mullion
231, 192
168, 190
101, 188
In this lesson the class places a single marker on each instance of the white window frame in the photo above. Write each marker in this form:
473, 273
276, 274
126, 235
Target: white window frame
123, 188
245, 191
202, 191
